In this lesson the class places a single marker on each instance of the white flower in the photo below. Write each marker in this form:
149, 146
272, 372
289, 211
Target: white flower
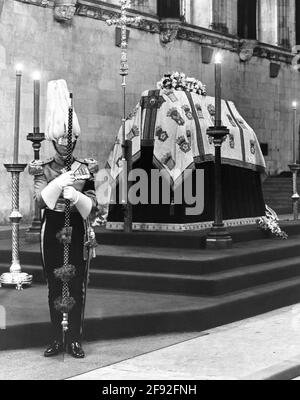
179, 81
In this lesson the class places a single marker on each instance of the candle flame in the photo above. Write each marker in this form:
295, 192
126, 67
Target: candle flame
36, 76
218, 58
294, 104
19, 68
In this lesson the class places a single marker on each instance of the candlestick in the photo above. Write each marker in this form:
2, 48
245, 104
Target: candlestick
36, 137
294, 105
123, 21
294, 167
218, 90
15, 276
218, 237
36, 102
17, 113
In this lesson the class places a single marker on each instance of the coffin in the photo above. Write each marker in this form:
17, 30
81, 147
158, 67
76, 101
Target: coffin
167, 129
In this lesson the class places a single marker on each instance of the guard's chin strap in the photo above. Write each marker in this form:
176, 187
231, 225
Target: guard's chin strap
64, 157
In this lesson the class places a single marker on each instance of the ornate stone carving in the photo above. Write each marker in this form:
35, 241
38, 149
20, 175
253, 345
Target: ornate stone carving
64, 10
273, 53
296, 62
168, 31
205, 38
247, 49
41, 3
104, 11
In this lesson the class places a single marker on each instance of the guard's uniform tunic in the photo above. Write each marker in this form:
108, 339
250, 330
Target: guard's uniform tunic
52, 248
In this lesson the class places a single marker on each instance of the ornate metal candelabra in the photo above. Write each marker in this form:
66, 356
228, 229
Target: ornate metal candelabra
294, 167
218, 238
123, 22
295, 197
15, 276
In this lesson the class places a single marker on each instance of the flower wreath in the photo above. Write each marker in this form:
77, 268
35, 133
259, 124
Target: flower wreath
270, 223
179, 81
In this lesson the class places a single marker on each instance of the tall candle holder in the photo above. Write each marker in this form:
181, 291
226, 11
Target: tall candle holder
15, 276
295, 167
36, 137
123, 22
218, 237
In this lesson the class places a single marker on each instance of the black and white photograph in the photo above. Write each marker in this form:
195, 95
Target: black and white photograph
149, 193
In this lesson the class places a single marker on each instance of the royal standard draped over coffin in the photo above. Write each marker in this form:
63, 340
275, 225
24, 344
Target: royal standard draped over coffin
175, 123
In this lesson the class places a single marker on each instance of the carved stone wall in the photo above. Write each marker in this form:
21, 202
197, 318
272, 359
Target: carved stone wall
64, 10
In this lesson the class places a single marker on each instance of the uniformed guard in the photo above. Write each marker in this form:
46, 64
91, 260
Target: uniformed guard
52, 187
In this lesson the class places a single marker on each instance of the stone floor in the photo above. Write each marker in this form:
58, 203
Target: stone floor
262, 347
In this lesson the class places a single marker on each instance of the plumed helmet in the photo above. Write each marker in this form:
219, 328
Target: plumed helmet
58, 102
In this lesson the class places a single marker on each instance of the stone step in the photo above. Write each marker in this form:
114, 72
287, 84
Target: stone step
119, 314
208, 285
189, 281
277, 193
180, 260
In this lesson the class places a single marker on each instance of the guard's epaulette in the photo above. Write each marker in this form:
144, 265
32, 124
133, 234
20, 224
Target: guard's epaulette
91, 164
36, 167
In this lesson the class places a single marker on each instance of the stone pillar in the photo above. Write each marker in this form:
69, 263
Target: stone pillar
232, 17
283, 21
219, 16
201, 13
267, 22
187, 11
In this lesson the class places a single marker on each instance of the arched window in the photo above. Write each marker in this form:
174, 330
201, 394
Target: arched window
169, 8
247, 20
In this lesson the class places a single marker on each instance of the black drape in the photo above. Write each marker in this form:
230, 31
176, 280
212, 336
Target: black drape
242, 196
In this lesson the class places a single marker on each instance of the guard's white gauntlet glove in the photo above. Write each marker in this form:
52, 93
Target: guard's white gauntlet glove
52, 191
82, 202
65, 179
71, 194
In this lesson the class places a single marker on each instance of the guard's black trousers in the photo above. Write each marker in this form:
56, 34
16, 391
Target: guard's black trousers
52, 252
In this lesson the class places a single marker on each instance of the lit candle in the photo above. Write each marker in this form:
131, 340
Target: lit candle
218, 92
36, 102
17, 113
294, 105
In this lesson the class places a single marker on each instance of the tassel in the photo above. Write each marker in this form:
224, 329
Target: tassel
64, 305
65, 273
64, 236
